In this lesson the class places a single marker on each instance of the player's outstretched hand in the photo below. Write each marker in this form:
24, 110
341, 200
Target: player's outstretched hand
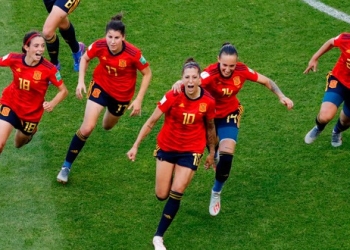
136, 108
209, 161
177, 86
81, 88
312, 66
287, 102
132, 154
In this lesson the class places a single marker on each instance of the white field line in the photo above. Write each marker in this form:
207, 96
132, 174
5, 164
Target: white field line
328, 10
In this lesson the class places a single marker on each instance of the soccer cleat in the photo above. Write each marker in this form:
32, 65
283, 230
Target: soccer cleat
158, 243
311, 136
336, 139
214, 207
63, 175
77, 56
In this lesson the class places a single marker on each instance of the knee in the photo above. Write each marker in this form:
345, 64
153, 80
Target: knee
325, 117
107, 127
161, 198
161, 195
86, 130
48, 34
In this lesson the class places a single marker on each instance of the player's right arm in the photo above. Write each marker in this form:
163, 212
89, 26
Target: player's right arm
314, 59
81, 88
145, 130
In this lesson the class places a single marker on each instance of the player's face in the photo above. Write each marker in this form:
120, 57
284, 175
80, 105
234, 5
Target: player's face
114, 41
36, 48
191, 80
227, 64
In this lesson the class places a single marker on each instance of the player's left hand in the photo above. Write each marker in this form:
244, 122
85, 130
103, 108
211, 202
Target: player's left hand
287, 102
132, 154
47, 106
136, 108
209, 161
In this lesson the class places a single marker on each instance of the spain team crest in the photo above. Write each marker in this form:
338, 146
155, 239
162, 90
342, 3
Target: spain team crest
237, 81
122, 63
37, 75
202, 107
96, 93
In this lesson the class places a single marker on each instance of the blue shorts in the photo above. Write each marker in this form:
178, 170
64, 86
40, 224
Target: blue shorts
228, 127
188, 160
67, 6
98, 95
337, 93
26, 127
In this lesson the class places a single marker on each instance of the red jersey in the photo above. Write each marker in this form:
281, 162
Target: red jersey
225, 89
341, 69
26, 93
116, 74
184, 128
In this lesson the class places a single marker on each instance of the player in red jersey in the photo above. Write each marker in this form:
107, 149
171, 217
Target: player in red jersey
113, 86
189, 120
23, 101
223, 80
58, 18
337, 91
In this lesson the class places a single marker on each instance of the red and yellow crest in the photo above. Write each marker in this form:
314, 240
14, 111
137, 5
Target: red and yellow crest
237, 81
202, 107
96, 93
122, 63
37, 75
333, 84
5, 111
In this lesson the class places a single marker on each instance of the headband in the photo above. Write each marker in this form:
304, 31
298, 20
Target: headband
31, 37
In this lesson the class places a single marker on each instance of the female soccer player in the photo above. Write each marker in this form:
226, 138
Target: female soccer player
23, 101
223, 80
337, 91
58, 18
189, 120
113, 86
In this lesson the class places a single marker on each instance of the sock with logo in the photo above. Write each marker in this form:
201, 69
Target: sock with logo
169, 212
75, 147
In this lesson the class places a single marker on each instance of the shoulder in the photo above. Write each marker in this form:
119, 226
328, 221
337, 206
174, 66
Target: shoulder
345, 37
13, 55
98, 44
207, 96
211, 70
241, 67
131, 49
47, 64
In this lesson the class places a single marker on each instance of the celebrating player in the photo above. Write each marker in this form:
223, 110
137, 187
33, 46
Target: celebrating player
113, 86
22, 102
58, 18
337, 91
189, 120
223, 80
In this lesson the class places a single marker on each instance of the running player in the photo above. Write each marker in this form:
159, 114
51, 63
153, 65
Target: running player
189, 120
58, 18
23, 101
337, 91
113, 86
223, 80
